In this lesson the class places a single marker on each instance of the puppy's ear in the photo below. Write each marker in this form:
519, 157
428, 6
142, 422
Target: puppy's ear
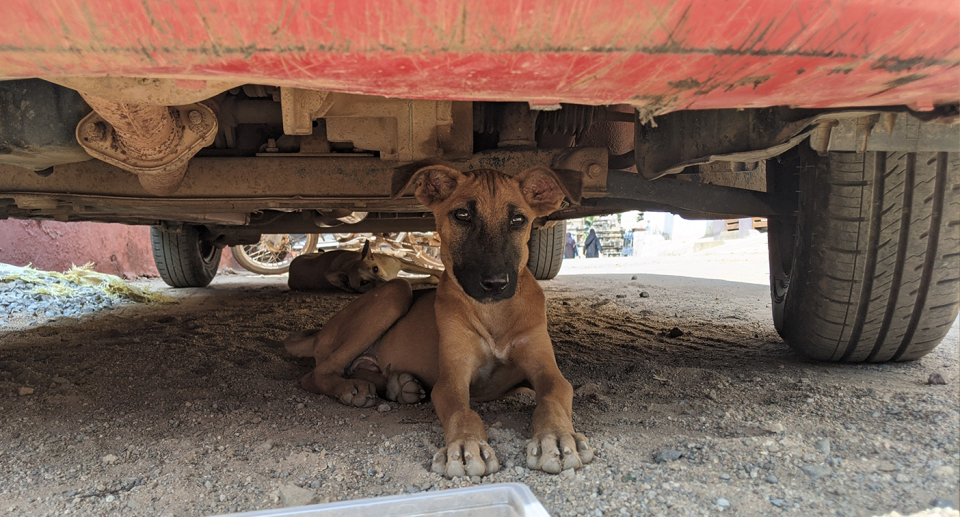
544, 191
365, 252
338, 279
571, 182
434, 183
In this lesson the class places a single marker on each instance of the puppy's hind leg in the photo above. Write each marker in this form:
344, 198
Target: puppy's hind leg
301, 344
347, 335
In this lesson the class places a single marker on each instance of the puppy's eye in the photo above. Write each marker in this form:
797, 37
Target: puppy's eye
517, 221
376, 269
364, 282
462, 214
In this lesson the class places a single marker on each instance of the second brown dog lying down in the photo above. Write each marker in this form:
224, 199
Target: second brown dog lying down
354, 271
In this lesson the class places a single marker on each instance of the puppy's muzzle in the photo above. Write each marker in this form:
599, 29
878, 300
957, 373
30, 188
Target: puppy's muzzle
493, 285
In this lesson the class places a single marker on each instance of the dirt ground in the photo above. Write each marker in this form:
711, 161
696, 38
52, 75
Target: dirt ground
193, 408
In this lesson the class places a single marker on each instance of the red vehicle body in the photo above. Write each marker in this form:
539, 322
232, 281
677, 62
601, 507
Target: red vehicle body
659, 55
218, 121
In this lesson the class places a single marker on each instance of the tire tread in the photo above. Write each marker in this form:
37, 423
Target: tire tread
546, 251
178, 259
879, 282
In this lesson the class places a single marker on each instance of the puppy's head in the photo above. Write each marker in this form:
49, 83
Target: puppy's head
363, 274
484, 220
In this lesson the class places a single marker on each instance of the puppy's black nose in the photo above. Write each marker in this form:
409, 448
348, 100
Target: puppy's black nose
495, 284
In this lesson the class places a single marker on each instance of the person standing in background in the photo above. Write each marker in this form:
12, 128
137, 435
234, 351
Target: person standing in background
627, 250
570, 247
591, 246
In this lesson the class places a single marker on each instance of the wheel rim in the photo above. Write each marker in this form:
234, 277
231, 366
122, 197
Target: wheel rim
208, 252
274, 252
422, 249
783, 233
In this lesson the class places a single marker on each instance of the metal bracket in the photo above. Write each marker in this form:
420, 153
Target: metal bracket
592, 162
301, 107
400, 129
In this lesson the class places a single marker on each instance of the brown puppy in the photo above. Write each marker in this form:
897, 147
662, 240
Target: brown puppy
481, 334
351, 271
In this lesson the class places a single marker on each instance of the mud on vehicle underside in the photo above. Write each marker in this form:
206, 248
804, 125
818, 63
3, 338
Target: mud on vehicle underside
260, 118
259, 159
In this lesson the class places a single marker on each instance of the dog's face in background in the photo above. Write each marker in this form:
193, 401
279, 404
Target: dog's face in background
363, 274
484, 218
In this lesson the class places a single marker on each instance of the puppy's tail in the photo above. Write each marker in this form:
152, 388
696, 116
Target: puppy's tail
301, 343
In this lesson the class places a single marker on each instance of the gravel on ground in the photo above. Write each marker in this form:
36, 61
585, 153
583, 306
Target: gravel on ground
29, 296
193, 408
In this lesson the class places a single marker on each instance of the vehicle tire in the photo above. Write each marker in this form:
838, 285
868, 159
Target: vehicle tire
264, 258
546, 251
868, 270
183, 258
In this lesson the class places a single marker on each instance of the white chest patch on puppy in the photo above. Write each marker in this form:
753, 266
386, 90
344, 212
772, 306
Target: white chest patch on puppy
502, 353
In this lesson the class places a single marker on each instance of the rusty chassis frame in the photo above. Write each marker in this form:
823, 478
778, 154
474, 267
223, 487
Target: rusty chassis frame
715, 158
232, 195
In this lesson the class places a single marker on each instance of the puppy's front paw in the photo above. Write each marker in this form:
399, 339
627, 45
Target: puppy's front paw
357, 393
465, 458
554, 452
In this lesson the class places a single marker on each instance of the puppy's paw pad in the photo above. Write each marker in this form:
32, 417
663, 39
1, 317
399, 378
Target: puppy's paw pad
556, 452
405, 389
439, 464
358, 393
465, 458
583, 448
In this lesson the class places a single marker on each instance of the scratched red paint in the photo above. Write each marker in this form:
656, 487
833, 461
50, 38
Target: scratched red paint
676, 54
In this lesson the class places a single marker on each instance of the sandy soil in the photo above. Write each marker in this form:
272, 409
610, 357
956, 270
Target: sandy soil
193, 408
